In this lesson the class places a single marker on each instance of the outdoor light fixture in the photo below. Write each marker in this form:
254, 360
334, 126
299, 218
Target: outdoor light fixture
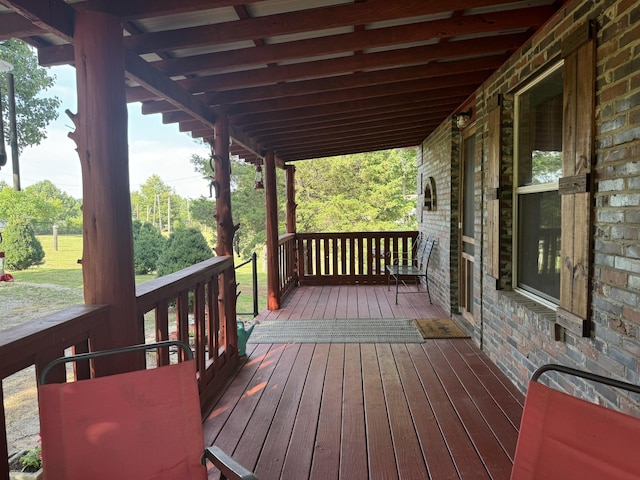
258, 178
463, 118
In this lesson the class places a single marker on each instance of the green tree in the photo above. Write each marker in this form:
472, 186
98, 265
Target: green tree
185, 247
66, 210
22, 248
33, 110
361, 192
157, 203
148, 245
26, 205
247, 203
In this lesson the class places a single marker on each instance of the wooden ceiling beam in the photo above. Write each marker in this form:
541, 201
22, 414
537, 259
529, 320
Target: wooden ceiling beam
359, 79
364, 116
338, 131
437, 97
13, 25
366, 146
413, 86
368, 61
428, 106
446, 28
323, 18
272, 141
134, 9
52, 16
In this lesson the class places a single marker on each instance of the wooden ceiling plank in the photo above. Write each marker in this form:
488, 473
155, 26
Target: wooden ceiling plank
52, 16
437, 97
13, 25
324, 68
339, 119
367, 146
134, 9
360, 79
413, 86
447, 28
295, 22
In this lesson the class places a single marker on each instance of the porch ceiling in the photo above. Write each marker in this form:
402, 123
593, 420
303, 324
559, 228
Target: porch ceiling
303, 78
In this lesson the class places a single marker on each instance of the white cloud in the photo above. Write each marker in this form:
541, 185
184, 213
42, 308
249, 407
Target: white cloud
154, 148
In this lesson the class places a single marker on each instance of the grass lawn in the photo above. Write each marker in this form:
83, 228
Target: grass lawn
57, 284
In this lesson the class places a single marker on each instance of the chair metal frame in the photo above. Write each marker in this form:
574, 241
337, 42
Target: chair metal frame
417, 269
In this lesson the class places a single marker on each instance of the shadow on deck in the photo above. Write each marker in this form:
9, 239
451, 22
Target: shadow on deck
437, 410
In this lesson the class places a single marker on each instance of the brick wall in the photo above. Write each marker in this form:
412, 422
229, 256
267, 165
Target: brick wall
515, 331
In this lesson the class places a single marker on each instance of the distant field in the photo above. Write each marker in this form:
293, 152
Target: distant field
57, 284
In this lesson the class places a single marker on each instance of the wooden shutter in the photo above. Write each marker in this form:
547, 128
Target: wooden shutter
492, 192
576, 184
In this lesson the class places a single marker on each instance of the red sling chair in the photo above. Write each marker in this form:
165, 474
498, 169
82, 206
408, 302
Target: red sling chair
138, 425
563, 437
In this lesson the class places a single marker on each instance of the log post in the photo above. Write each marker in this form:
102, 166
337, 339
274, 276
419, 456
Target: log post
271, 201
291, 198
102, 145
225, 229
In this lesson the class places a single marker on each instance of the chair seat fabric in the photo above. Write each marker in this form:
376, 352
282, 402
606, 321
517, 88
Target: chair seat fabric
143, 425
564, 437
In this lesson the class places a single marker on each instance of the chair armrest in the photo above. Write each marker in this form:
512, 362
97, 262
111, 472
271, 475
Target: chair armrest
227, 465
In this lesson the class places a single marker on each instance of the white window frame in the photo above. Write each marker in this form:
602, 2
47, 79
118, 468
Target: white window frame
537, 188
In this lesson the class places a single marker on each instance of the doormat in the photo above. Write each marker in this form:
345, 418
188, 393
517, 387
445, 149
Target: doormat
439, 328
341, 330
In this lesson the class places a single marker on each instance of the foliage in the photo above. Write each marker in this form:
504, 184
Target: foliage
363, 192
31, 461
22, 248
202, 211
33, 111
65, 211
148, 244
16, 205
247, 203
157, 203
185, 247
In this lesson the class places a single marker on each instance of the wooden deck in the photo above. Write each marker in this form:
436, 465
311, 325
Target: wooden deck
437, 410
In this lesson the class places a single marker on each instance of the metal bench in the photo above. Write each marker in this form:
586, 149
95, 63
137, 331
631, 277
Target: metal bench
415, 268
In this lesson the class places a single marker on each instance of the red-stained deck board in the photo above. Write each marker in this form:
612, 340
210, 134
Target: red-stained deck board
382, 462
407, 448
437, 410
464, 455
326, 458
434, 448
272, 456
509, 401
493, 456
504, 431
250, 444
299, 455
353, 451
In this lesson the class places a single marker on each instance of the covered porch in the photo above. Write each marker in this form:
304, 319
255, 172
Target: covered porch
438, 410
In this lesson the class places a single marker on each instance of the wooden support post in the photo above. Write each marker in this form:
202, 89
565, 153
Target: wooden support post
291, 198
101, 138
271, 194
225, 228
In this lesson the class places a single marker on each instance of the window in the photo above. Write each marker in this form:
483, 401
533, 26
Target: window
538, 167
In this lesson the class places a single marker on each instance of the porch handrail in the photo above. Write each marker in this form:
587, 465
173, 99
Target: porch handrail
42, 340
350, 257
288, 264
201, 318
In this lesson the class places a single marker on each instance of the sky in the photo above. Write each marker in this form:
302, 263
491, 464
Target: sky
154, 148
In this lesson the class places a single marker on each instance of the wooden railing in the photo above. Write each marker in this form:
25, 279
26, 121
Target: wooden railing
288, 263
350, 258
40, 341
200, 318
